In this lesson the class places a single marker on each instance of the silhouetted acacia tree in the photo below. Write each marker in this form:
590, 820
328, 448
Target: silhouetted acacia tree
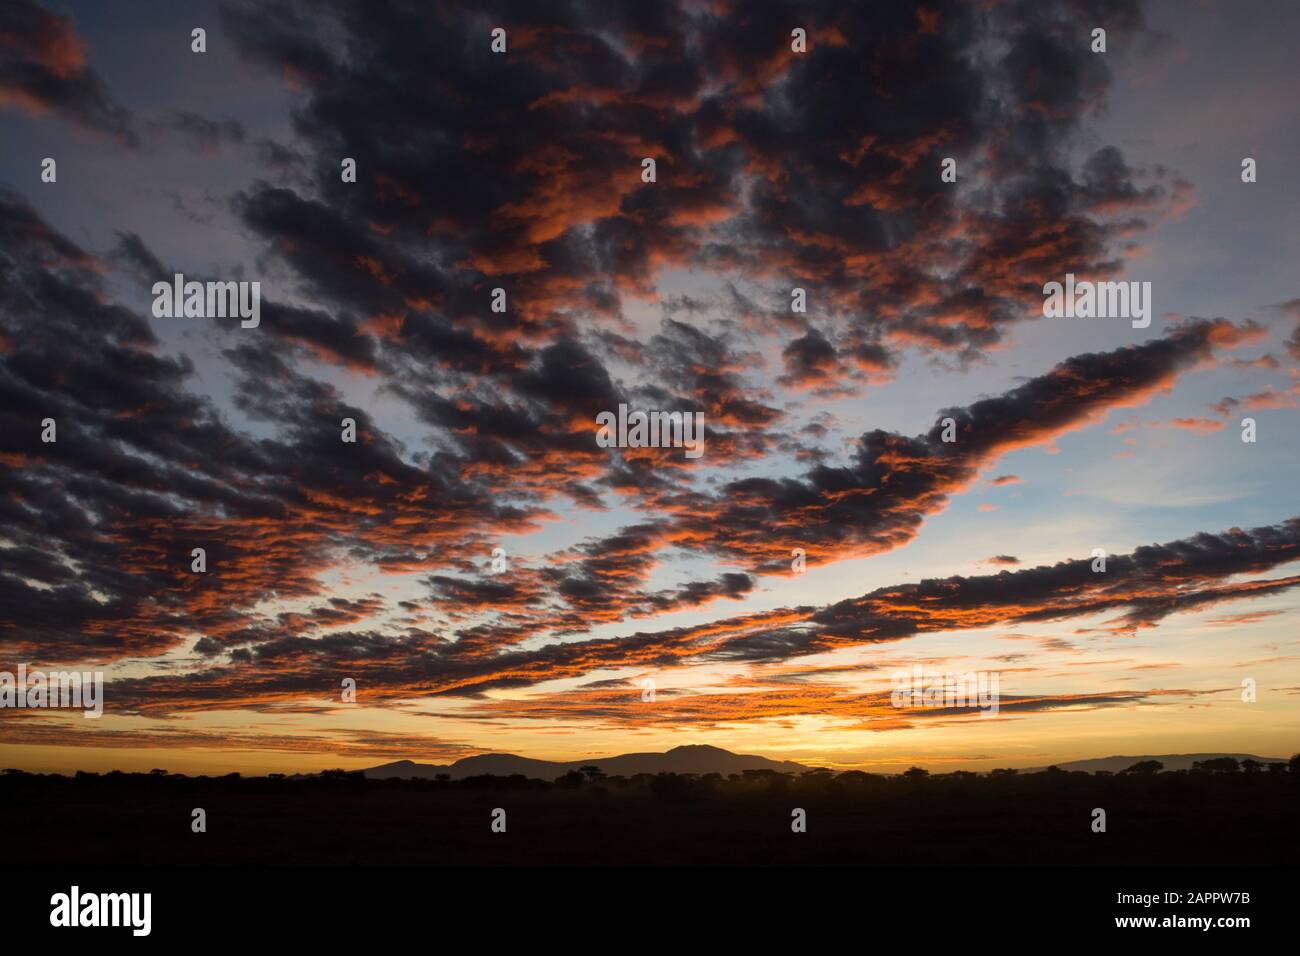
571, 780
1217, 765
1145, 766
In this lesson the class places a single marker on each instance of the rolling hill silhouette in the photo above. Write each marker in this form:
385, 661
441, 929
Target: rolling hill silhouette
703, 759
697, 759
1170, 761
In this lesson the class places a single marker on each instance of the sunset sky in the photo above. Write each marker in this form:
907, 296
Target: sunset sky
522, 171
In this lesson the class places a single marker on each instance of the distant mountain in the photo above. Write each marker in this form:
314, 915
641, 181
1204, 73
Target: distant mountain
701, 759
689, 759
1170, 761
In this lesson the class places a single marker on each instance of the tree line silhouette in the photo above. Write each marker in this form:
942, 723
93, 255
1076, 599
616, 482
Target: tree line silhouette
1220, 811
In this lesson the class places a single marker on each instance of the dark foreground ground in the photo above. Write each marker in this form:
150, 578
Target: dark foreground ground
1042, 818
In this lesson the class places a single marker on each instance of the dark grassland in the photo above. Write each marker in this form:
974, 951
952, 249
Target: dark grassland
1192, 818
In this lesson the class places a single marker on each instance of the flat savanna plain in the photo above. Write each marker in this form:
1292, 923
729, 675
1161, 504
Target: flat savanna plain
338, 818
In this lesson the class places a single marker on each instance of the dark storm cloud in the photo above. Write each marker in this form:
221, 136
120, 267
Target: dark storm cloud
523, 169
135, 257
1291, 309
517, 171
708, 372
43, 68
1141, 588
879, 500
144, 471
696, 710
1149, 584
322, 335
521, 172
810, 360
876, 503
101, 523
